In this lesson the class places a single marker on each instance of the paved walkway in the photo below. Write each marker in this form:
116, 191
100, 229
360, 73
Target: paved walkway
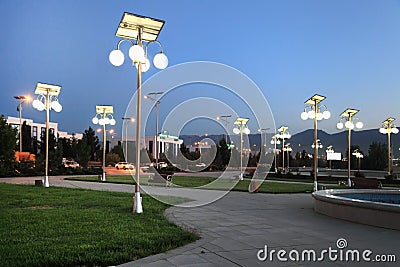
236, 227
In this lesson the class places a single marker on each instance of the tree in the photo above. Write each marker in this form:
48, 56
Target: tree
377, 156
92, 144
8, 139
27, 142
119, 151
55, 152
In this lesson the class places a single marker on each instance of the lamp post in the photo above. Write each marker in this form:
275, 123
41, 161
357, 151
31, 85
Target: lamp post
105, 114
348, 117
275, 141
225, 119
242, 128
155, 99
314, 111
140, 29
264, 131
288, 149
22, 99
47, 99
388, 127
283, 134
126, 135
359, 156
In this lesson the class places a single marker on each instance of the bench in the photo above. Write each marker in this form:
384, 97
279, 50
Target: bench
161, 178
365, 183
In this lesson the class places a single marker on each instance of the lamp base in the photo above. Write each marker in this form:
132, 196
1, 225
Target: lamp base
103, 177
137, 203
315, 186
349, 182
46, 182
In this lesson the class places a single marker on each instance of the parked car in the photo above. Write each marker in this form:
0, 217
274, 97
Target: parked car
71, 164
124, 166
160, 164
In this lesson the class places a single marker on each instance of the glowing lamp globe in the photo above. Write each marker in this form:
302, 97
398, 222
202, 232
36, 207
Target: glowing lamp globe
112, 121
304, 116
136, 53
311, 114
95, 120
349, 125
236, 131
395, 130
359, 125
145, 65
319, 116
56, 106
116, 58
339, 125
246, 130
160, 61
326, 114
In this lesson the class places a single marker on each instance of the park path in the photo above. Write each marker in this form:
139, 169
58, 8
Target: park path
236, 227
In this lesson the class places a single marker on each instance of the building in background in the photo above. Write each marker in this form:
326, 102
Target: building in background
38, 128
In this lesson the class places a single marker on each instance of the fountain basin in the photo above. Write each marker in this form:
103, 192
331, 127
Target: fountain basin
367, 206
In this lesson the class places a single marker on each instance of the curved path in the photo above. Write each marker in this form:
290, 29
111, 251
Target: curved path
236, 227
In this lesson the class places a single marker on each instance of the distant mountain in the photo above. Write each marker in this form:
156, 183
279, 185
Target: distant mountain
303, 140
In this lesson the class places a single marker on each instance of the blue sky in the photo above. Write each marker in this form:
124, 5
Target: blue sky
347, 50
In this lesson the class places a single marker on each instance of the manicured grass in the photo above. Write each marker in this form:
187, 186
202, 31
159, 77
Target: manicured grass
74, 227
190, 181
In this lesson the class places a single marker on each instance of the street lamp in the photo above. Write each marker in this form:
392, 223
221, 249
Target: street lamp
225, 118
388, 127
275, 141
359, 156
348, 117
314, 111
47, 99
126, 135
155, 99
140, 29
241, 128
288, 149
283, 134
264, 131
106, 117
22, 99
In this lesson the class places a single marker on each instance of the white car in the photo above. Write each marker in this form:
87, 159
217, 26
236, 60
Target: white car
124, 166
71, 164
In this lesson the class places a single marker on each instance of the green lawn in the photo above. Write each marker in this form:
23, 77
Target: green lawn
275, 187
74, 227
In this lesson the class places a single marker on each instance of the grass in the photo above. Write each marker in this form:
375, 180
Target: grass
75, 227
275, 187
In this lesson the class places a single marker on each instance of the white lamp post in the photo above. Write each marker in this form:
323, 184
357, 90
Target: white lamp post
275, 141
105, 114
22, 99
225, 119
157, 102
126, 135
139, 29
388, 127
314, 111
348, 117
283, 134
47, 99
359, 156
288, 149
241, 128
